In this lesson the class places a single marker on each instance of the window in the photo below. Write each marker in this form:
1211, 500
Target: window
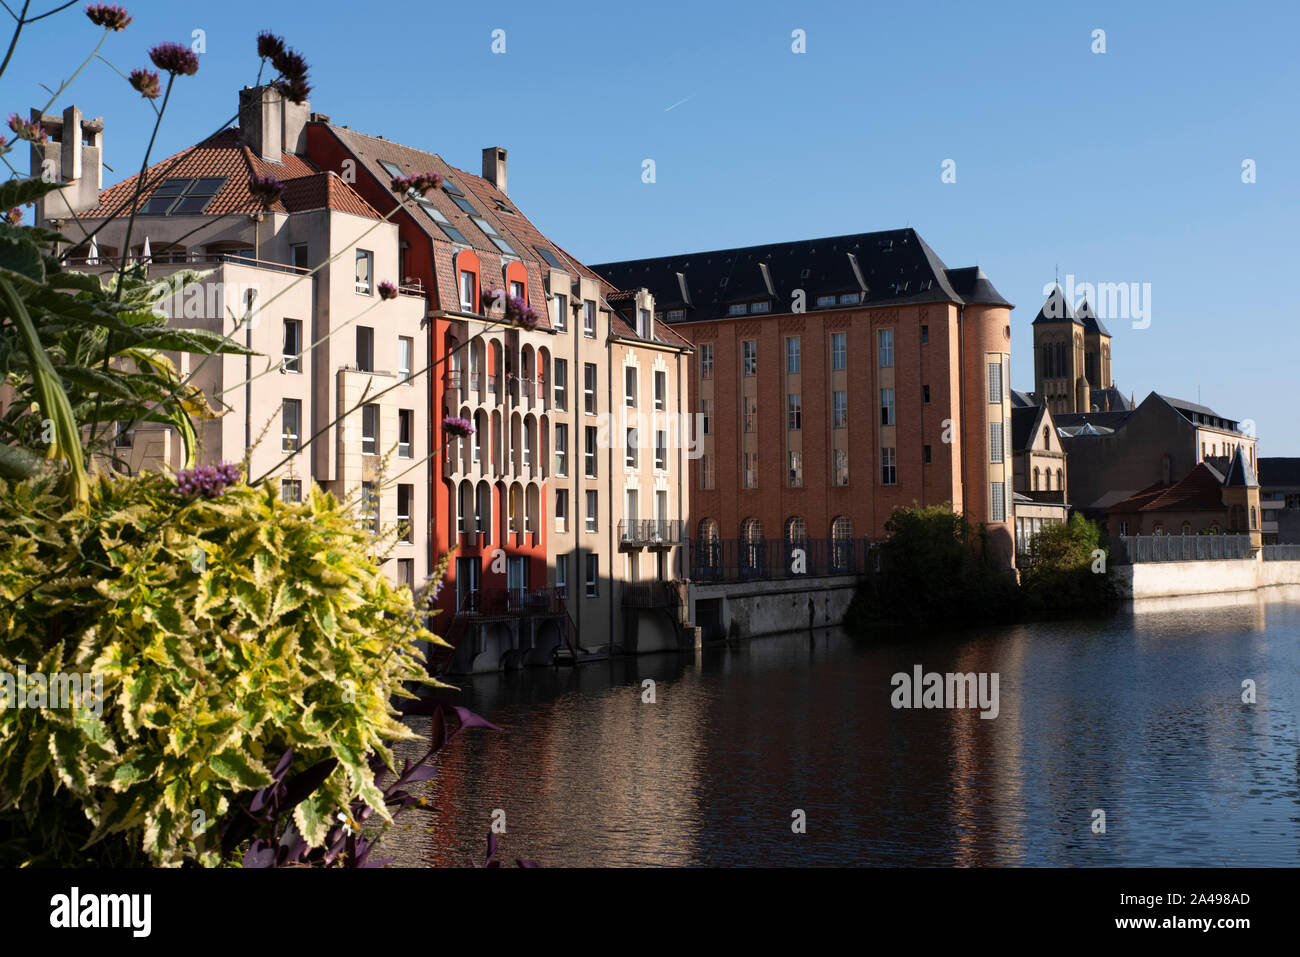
365, 271
290, 490
593, 576
1123, 528
661, 450
488, 230
676, 315
888, 466
292, 351
405, 496
737, 309
124, 436
825, 301
643, 323
886, 337
706, 471
175, 197
839, 350
370, 506
561, 384
406, 572
706, 416
562, 576
434, 213
405, 432
561, 449
516, 289
589, 387
369, 429
751, 413
995, 381
995, 443
925, 394
841, 467
796, 469
751, 470
629, 388
405, 349
998, 505
467, 290
840, 415
298, 256
794, 411
590, 451
290, 424
365, 349
886, 406
925, 455
527, 457
457, 196
593, 507
706, 361
925, 334
850, 298
661, 390
560, 312
750, 348
630, 460
589, 318
763, 306
561, 509
792, 362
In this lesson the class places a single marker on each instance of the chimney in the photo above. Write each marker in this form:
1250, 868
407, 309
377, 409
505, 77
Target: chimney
494, 166
75, 154
261, 121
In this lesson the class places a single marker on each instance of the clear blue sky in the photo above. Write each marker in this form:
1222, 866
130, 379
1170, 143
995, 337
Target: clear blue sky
1118, 167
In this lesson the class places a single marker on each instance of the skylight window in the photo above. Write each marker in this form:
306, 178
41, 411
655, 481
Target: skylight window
391, 168
454, 234
549, 257
179, 196
458, 197
493, 235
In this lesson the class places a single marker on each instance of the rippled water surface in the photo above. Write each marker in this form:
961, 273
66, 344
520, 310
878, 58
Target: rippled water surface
1139, 716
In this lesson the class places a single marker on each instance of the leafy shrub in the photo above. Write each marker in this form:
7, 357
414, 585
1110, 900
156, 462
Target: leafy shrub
228, 631
1059, 575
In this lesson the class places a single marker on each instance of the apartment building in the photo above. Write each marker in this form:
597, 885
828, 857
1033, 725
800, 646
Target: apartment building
558, 525
837, 379
329, 346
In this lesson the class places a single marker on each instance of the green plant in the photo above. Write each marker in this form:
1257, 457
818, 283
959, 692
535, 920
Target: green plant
1063, 572
227, 630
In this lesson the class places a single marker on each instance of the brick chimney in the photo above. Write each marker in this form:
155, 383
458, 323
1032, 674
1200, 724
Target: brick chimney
74, 154
494, 166
270, 124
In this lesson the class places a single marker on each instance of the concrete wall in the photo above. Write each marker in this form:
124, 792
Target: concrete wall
761, 608
1146, 580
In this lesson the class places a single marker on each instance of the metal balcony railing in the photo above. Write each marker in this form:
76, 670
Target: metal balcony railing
728, 560
652, 532
1180, 548
512, 602
1282, 553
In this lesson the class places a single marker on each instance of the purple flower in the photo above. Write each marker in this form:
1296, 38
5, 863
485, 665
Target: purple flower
208, 481
455, 426
28, 129
387, 290
522, 314
419, 184
175, 58
295, 91
269, 45
114, 18
146, 82
268, 189
493, 299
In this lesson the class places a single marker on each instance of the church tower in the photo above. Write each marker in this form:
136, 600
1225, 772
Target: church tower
1096, 348
1059, 355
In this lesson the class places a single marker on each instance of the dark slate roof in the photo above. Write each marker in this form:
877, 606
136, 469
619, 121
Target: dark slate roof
1106, 420
1240, 474
1090, 321
1021, 400
1056, 308
1277, 470
1025, 423
1118, 403
891, 267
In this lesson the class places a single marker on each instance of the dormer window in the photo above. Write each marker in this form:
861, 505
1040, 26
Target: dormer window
177, 197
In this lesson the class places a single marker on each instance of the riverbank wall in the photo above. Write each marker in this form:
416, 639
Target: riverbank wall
769, 607
1146, 580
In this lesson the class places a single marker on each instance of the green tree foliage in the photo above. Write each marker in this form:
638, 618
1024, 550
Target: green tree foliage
227, 630
1065, 571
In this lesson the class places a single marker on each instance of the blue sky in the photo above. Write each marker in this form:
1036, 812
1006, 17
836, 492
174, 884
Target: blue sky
1124, 166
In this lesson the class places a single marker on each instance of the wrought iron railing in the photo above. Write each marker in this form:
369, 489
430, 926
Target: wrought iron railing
1130, 549
726, 560
512, 602
652, 532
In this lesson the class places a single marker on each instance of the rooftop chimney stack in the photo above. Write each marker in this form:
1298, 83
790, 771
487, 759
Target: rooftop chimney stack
75, 154
494, 167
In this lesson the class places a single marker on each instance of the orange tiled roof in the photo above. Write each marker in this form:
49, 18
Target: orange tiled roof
1199, 489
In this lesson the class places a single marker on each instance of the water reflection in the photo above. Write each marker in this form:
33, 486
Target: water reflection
1139, 716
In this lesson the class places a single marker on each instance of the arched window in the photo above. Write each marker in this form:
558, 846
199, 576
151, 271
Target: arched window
708, 550
1060, 480
1187, 528
1047, 474
841, 543
708, 530
1037, 478
483, 511
516, 508
751, 546
1253, 518
1047, 436
796, 530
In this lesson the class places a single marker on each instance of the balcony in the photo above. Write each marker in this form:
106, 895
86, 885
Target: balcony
652, 533
731, 560
512, 603
667, 595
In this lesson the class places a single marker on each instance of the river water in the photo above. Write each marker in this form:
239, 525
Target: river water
1139, 716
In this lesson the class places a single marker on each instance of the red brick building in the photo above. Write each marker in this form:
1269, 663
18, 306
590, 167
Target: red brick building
839, 378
